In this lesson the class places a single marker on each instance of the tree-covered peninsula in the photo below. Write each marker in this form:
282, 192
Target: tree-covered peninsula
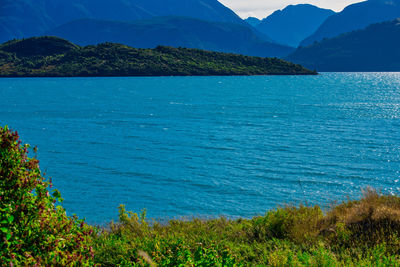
55, 57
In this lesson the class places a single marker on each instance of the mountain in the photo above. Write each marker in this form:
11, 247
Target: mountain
294, 23
375, 48
25, 18
171, 31
60, 58
253, 21
356, 17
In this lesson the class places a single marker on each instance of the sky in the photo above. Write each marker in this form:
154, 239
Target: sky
263, 8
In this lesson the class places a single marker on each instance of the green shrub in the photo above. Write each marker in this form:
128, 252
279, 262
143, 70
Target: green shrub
33, 230
296, 224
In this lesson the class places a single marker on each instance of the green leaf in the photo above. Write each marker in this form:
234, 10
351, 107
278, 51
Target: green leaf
10, 218
56, 194
8, 236
4, 230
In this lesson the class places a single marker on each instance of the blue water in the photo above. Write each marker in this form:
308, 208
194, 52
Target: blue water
207, 146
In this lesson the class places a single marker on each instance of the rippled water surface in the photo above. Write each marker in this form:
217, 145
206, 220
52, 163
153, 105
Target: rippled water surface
235, 146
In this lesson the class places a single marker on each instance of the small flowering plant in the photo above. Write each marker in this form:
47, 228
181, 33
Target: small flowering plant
33, 229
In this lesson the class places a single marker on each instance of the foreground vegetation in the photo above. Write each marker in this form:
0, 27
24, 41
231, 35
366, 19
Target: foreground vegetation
33, 231
362, 232
55, 57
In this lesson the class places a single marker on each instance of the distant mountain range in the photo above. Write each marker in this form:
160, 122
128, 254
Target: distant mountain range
355, 17
375, 48
209, 25
171, 31
293, 24
25, 18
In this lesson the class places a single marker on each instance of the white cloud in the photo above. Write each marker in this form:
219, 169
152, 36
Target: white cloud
262, 8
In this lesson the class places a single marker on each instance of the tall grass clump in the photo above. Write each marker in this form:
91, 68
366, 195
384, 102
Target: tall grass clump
33, 230
359, 225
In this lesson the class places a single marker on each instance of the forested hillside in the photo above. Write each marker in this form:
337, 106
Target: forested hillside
54, 57
375, 48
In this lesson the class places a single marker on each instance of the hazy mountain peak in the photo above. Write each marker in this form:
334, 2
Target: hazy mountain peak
253, 21
354, 17
293, 23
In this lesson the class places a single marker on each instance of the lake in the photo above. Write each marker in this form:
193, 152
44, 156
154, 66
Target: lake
209, 146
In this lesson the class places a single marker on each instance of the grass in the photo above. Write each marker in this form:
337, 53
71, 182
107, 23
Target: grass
355, 233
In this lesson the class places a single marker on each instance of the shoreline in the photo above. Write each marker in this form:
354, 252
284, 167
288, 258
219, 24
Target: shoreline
159, 76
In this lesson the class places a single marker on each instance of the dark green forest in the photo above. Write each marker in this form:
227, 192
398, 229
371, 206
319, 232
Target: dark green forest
55, 57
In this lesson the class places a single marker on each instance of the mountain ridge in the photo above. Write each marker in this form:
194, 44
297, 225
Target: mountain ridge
26, 18
374, 48
355, 17
292, 24
171, 31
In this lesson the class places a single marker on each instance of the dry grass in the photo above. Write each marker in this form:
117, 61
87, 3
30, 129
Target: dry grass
373, 220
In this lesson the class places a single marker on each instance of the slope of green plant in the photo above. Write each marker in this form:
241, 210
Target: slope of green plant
33, 231
18, 59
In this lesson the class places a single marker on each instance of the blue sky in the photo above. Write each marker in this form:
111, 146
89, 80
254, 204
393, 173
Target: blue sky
262, 8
